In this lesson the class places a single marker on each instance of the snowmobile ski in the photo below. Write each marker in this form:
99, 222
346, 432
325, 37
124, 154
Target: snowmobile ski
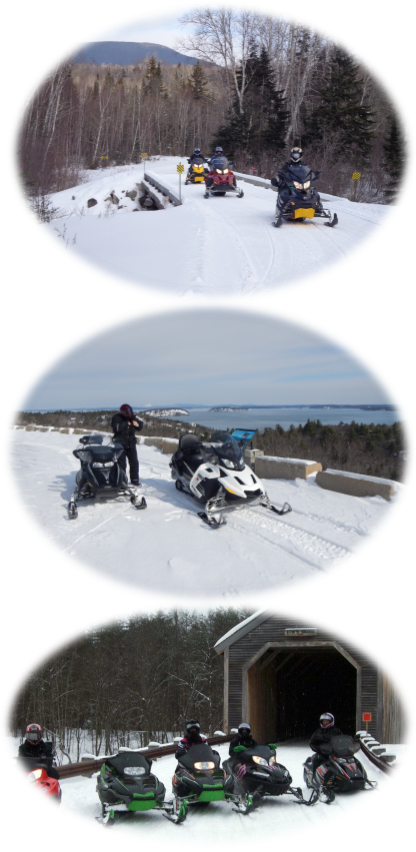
333, 222
286, 508
211, 521
177, 816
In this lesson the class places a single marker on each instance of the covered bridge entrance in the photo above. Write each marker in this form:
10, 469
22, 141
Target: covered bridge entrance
280, 676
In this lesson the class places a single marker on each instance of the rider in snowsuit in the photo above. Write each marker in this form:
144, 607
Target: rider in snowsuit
323, 734
192, 737
125, 425
245, 739
283, 190
35, 746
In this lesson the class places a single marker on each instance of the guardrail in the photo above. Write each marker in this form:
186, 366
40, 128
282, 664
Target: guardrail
376, 759
88, 767
166, 192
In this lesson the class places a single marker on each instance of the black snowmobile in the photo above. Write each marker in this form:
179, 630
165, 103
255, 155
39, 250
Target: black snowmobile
215, 473
341, 772
257, 774
199, 778
297, 199
126, 786
100, 474
197, 170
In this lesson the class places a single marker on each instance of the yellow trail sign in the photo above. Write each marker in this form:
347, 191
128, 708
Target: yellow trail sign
144, 156
180, 168
356, 175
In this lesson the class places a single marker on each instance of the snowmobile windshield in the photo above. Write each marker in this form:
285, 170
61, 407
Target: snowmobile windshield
220, 164
228, 450
261, 751
301, 174
128, 761
343, 746
197, 161
199, 757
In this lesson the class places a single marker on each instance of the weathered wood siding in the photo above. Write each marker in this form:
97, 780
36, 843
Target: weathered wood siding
245, 678
398, 718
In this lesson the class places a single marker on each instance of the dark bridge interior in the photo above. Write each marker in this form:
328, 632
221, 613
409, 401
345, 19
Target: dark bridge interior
289, 688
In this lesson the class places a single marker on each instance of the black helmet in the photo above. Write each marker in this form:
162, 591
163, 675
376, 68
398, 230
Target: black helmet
127, 411
193, 727
244, 730
33, 733
296, 155
197, 151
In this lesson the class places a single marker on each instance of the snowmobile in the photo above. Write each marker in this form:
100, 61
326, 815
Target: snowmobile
215, 474
37, 772
126, 786
101, 474
341, 772
199, 778
197, 171
221, 179
257, 774
298, 199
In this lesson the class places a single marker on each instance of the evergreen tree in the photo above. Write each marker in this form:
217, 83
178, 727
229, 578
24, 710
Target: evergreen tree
261, 125
340, 113
198, 83
394, 158
153, 80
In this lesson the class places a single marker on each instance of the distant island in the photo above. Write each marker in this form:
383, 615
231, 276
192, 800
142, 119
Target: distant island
165, 412
230, 408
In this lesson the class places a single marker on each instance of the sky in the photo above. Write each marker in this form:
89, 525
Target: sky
159, 25
206, 357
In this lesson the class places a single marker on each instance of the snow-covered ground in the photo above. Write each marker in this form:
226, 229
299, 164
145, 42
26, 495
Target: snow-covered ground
167, 545
219, 819
211, 247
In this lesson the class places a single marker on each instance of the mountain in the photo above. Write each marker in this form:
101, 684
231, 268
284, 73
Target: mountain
128, 53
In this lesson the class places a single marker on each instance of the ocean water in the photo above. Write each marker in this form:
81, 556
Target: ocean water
260, 418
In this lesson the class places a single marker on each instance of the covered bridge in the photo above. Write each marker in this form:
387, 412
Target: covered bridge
280, 675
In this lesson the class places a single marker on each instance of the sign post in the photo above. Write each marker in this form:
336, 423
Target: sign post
144, 157
356, 176
366, 717
180, 168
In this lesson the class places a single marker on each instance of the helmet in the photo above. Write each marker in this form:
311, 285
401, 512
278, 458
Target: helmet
193, 727
33, 733
219, 150
296, 155
326, 720
244, 729
127, 411
197, 151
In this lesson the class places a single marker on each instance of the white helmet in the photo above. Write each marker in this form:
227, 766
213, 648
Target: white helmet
326, 720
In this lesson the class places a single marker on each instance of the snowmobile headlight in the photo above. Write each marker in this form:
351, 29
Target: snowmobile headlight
204, 764
305, 185
35, 775
219, 171
272, 760
225, 171
134, 770
259, 760
228, 463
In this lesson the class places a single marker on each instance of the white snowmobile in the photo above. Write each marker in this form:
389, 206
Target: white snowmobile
215, 473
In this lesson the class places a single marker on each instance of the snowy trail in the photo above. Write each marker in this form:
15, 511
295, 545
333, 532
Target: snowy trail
216, 246
255, 551
219, 819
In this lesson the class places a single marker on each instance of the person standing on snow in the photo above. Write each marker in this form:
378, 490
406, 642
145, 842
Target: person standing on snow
125, 425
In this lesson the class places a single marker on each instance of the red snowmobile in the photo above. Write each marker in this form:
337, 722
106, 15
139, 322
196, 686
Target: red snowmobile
221, 179
34, 774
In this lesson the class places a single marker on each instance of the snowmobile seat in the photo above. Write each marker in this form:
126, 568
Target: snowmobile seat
189, 443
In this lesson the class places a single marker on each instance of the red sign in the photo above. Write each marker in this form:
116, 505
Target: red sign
366, 717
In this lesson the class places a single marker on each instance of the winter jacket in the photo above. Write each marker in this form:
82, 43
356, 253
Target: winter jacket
195, 157
124, 431
42, 751
248, 742
187, 742
323, 735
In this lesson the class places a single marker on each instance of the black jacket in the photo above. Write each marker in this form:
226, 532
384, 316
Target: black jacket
187, 742
323, 735
123, 430
43, 751
248, 742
